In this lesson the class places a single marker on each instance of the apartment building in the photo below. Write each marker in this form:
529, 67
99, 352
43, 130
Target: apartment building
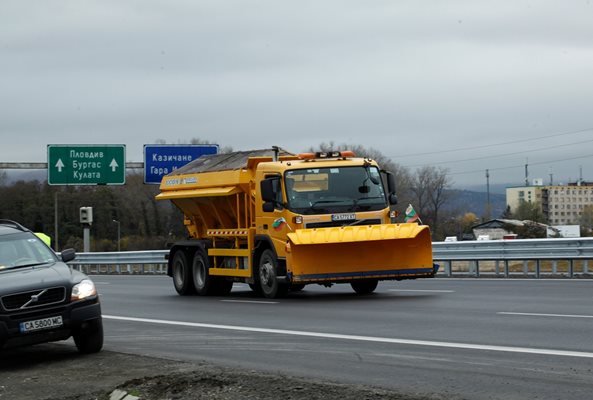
520, 194
560, 204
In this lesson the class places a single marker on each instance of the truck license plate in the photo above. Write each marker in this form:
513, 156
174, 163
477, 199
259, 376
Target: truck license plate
343, 217
38, 324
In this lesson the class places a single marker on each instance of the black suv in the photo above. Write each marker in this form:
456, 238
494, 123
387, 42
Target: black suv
41, 298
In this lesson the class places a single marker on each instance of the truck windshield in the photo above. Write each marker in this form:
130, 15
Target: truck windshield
334, 190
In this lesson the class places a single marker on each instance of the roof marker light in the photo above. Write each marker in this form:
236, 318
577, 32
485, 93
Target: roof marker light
326, 154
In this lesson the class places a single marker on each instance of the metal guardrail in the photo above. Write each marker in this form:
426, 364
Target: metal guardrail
142, 262
500, 258
527, 257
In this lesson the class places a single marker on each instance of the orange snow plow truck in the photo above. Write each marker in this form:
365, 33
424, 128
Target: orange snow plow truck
279, 221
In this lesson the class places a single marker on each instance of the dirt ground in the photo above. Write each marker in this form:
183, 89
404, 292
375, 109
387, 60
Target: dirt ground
57, 371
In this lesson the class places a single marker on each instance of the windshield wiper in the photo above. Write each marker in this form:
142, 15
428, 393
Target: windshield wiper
356, 201
314, 205
28, 265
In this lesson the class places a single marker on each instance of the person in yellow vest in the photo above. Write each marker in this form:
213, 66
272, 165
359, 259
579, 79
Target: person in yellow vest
46, 239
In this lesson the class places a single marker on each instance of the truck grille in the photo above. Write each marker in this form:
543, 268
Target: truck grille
34, 298
331, 224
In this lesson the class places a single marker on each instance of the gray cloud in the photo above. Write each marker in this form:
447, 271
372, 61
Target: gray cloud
405, 77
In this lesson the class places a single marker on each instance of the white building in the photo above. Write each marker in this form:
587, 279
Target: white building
560, 204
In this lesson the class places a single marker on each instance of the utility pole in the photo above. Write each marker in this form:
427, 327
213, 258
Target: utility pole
487, 214
56, 243
526, 173
118, 235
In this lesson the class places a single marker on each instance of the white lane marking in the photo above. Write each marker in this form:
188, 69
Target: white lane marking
546, 315
468, 346
421, 290
250, 301
528, 281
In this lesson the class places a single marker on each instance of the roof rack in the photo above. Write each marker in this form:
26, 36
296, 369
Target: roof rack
13, 224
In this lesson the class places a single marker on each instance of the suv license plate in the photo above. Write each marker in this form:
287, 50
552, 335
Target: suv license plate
38, 324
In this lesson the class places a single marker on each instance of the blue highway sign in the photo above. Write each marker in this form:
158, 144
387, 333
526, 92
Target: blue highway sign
162, 159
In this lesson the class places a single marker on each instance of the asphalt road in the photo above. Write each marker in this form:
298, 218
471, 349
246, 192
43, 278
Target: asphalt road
468, 338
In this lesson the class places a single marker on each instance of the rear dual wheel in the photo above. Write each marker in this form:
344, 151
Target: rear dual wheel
203, 282
190, 278
181, 271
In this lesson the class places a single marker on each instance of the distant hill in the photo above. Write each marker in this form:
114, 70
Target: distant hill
464, 200
470, 201
15, 175
499, 188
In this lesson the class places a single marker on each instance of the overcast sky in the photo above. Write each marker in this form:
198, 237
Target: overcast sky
463, 85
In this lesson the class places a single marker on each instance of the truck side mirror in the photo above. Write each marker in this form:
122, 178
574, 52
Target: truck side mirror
268, 194
267, 190
391, 197
268, 207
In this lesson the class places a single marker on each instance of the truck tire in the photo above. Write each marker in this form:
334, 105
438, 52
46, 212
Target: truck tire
222, 286
201, 277
365, 286
268, 279
256, 288
296, 287
89, 338
182, 276
205, 284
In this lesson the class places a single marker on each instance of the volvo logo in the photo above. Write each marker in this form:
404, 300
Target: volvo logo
34, 298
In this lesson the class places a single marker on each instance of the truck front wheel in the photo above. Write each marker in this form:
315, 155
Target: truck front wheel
181, 271
268, 279
364, 286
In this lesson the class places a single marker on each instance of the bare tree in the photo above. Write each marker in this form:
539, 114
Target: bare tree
223, 149
528, 211
586, 221
430, 187
420, 189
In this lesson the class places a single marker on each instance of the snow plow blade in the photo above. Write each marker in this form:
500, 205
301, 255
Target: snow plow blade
344, 254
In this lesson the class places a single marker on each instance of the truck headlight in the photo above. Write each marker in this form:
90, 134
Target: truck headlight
86, 288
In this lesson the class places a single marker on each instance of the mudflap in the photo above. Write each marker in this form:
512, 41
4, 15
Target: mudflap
390, 251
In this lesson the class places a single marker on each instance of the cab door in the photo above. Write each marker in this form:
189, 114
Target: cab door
274, 221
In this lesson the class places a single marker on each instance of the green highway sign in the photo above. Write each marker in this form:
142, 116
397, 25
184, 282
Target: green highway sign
86, 164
